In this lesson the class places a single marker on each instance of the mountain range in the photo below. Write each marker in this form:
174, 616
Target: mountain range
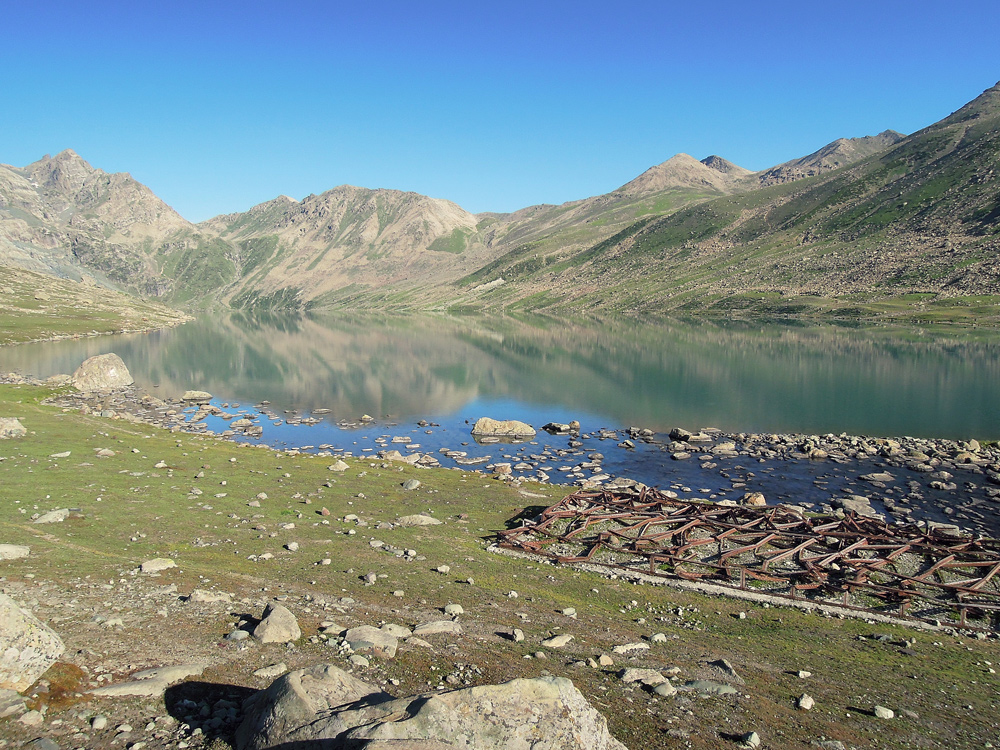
860, 226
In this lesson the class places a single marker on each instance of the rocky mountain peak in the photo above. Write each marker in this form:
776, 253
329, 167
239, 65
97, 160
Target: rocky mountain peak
723, 165
66, 172
986, 104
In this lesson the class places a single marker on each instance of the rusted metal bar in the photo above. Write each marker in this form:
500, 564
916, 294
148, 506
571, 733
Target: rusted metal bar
659, 535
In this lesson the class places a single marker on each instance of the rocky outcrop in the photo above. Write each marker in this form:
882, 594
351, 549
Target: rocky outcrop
324, 707
28, 647
105, 372
508, 428
11, 427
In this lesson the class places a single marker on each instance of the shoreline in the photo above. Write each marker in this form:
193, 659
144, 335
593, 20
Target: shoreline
911, 480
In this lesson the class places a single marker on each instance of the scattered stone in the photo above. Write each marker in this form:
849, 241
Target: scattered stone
751, 739
368, 639
157, 565
558, 641
454, 610
11, 703
27, 646
438, 626
445, 569
881, 712
806, 702
53, 516
754, 499
627, 648
198, 397
13, 551
200, 596
278, 625
710, 687
411, 484
105, 372
99, 722
665, 689
649, 677
32, 718
518, 635
417, 520
340, 465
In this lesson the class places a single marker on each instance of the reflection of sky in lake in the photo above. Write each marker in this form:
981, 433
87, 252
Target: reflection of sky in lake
735, 376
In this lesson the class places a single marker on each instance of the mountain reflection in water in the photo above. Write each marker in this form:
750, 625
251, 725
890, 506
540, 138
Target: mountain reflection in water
738, 376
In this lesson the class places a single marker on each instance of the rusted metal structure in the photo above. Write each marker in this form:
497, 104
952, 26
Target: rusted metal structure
853, 562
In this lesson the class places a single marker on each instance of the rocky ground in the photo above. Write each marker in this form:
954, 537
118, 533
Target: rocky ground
173, 544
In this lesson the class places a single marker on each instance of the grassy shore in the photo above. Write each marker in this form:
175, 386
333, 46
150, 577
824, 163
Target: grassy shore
195, 509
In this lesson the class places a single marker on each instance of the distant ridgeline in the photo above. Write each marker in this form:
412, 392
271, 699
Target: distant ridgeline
879, 225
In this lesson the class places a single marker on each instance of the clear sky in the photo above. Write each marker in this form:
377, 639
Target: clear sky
218, 106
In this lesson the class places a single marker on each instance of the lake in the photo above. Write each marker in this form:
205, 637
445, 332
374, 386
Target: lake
737, 376
446, 372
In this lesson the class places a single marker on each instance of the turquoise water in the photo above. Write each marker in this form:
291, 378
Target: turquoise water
750, 377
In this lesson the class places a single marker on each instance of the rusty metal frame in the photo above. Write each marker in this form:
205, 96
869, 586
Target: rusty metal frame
851, 562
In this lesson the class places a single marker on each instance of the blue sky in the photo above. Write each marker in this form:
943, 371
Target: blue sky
218, 106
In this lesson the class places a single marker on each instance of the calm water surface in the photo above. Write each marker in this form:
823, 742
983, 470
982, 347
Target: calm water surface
739, 376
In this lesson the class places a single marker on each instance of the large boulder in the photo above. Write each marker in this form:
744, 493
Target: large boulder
278, 625
11, 427
28, 647
105, 372
508, 428
324, 707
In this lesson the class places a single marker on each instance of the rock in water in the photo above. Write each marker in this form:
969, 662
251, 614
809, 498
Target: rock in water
510, 428
105, 372
11, 427
27, 646
199, 397
323, 706
278, 625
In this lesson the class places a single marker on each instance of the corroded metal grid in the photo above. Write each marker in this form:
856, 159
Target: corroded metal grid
852, 562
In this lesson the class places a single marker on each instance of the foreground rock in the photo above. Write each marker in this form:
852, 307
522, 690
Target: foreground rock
11, 427
509, 428
28, 647
323, 706
105, 372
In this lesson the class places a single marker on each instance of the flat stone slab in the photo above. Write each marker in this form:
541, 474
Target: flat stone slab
711, 687
13, 551
157, 564
418, 520
53, 516
152, 682
438, 626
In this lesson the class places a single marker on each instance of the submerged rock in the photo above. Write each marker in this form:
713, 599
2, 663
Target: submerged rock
510, 428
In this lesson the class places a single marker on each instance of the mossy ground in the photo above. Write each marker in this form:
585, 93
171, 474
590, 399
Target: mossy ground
128, 511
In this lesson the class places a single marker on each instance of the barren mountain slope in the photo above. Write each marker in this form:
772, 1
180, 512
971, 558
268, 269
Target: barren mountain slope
285, 249
61, 216
913, 225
